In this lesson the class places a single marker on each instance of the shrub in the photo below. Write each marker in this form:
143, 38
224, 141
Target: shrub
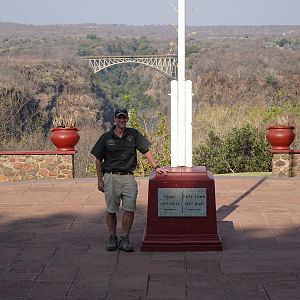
211, 154
91, 36
242, 150
247, 150
272, 81
84, 50
283, 42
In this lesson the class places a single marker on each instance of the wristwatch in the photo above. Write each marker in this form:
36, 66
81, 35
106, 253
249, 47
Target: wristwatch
156, 167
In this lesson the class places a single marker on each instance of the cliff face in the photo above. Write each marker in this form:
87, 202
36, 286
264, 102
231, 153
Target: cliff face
33, 88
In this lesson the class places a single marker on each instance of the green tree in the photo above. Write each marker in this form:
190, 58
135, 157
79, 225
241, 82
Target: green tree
242, 150
91, 36
283, 42
247, 150
212, 154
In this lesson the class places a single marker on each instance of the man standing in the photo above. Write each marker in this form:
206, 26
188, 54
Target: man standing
116, 160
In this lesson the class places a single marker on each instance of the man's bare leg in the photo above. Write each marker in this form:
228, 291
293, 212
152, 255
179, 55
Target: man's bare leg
111, 221
127, 222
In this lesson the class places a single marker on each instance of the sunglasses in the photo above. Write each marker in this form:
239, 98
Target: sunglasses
121, 117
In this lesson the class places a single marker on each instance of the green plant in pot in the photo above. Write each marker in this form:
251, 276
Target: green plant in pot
64, 132
281, 135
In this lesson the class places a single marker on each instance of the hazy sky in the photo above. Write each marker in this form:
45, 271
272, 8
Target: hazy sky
143, 12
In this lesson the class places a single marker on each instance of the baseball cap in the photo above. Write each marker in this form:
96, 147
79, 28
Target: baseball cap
121, 111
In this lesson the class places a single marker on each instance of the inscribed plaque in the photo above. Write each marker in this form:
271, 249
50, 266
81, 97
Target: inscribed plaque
182, 202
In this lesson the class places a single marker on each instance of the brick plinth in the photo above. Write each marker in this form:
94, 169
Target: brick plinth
286, 164
15, 166
281, 165
295, 170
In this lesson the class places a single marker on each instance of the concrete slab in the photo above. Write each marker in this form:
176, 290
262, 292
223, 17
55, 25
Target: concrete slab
53, 236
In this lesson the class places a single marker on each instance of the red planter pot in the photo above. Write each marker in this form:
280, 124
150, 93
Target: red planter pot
280, 138
65, 139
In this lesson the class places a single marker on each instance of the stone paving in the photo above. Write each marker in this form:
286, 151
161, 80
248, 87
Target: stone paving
53, 236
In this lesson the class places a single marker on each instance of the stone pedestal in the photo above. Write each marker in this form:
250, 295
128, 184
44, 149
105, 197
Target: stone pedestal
295, 165
286, 164
281, 165
181, 212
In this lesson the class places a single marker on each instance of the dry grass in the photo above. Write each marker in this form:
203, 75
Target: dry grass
221, 119
84, 160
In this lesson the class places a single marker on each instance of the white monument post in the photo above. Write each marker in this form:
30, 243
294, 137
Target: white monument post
185, 191
181, 103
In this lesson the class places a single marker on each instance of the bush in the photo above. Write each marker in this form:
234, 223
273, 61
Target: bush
211, 154
272, 81
242, 150
91, 36
283, 42
84, 50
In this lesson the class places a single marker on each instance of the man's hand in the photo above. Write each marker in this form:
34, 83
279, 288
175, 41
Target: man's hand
100, 185
160, 170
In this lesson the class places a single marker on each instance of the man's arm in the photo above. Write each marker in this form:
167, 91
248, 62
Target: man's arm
152, 161
99, 175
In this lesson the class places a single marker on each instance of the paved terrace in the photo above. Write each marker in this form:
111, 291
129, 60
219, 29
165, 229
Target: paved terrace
53, 236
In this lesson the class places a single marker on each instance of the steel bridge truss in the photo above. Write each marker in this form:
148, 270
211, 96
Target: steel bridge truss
165, 63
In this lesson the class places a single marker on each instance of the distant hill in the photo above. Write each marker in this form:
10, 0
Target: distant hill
158, 32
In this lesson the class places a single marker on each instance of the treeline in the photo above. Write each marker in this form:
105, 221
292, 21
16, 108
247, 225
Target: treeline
156, 32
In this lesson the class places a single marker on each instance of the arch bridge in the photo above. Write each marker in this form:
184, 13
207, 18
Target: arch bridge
166, 64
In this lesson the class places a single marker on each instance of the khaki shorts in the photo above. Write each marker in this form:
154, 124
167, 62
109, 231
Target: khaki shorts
117, 188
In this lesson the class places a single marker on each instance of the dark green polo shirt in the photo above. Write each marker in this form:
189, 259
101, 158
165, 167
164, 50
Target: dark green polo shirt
119, 154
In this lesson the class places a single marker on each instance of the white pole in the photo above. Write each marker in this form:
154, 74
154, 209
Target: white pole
188, 124
181, 85
174, 127
181, 40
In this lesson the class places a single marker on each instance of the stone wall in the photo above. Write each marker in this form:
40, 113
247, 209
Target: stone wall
15, 166
286, 164
295, 170
281, 165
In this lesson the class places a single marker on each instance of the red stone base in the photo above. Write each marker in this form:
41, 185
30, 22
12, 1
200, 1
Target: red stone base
171, 243
181, 233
